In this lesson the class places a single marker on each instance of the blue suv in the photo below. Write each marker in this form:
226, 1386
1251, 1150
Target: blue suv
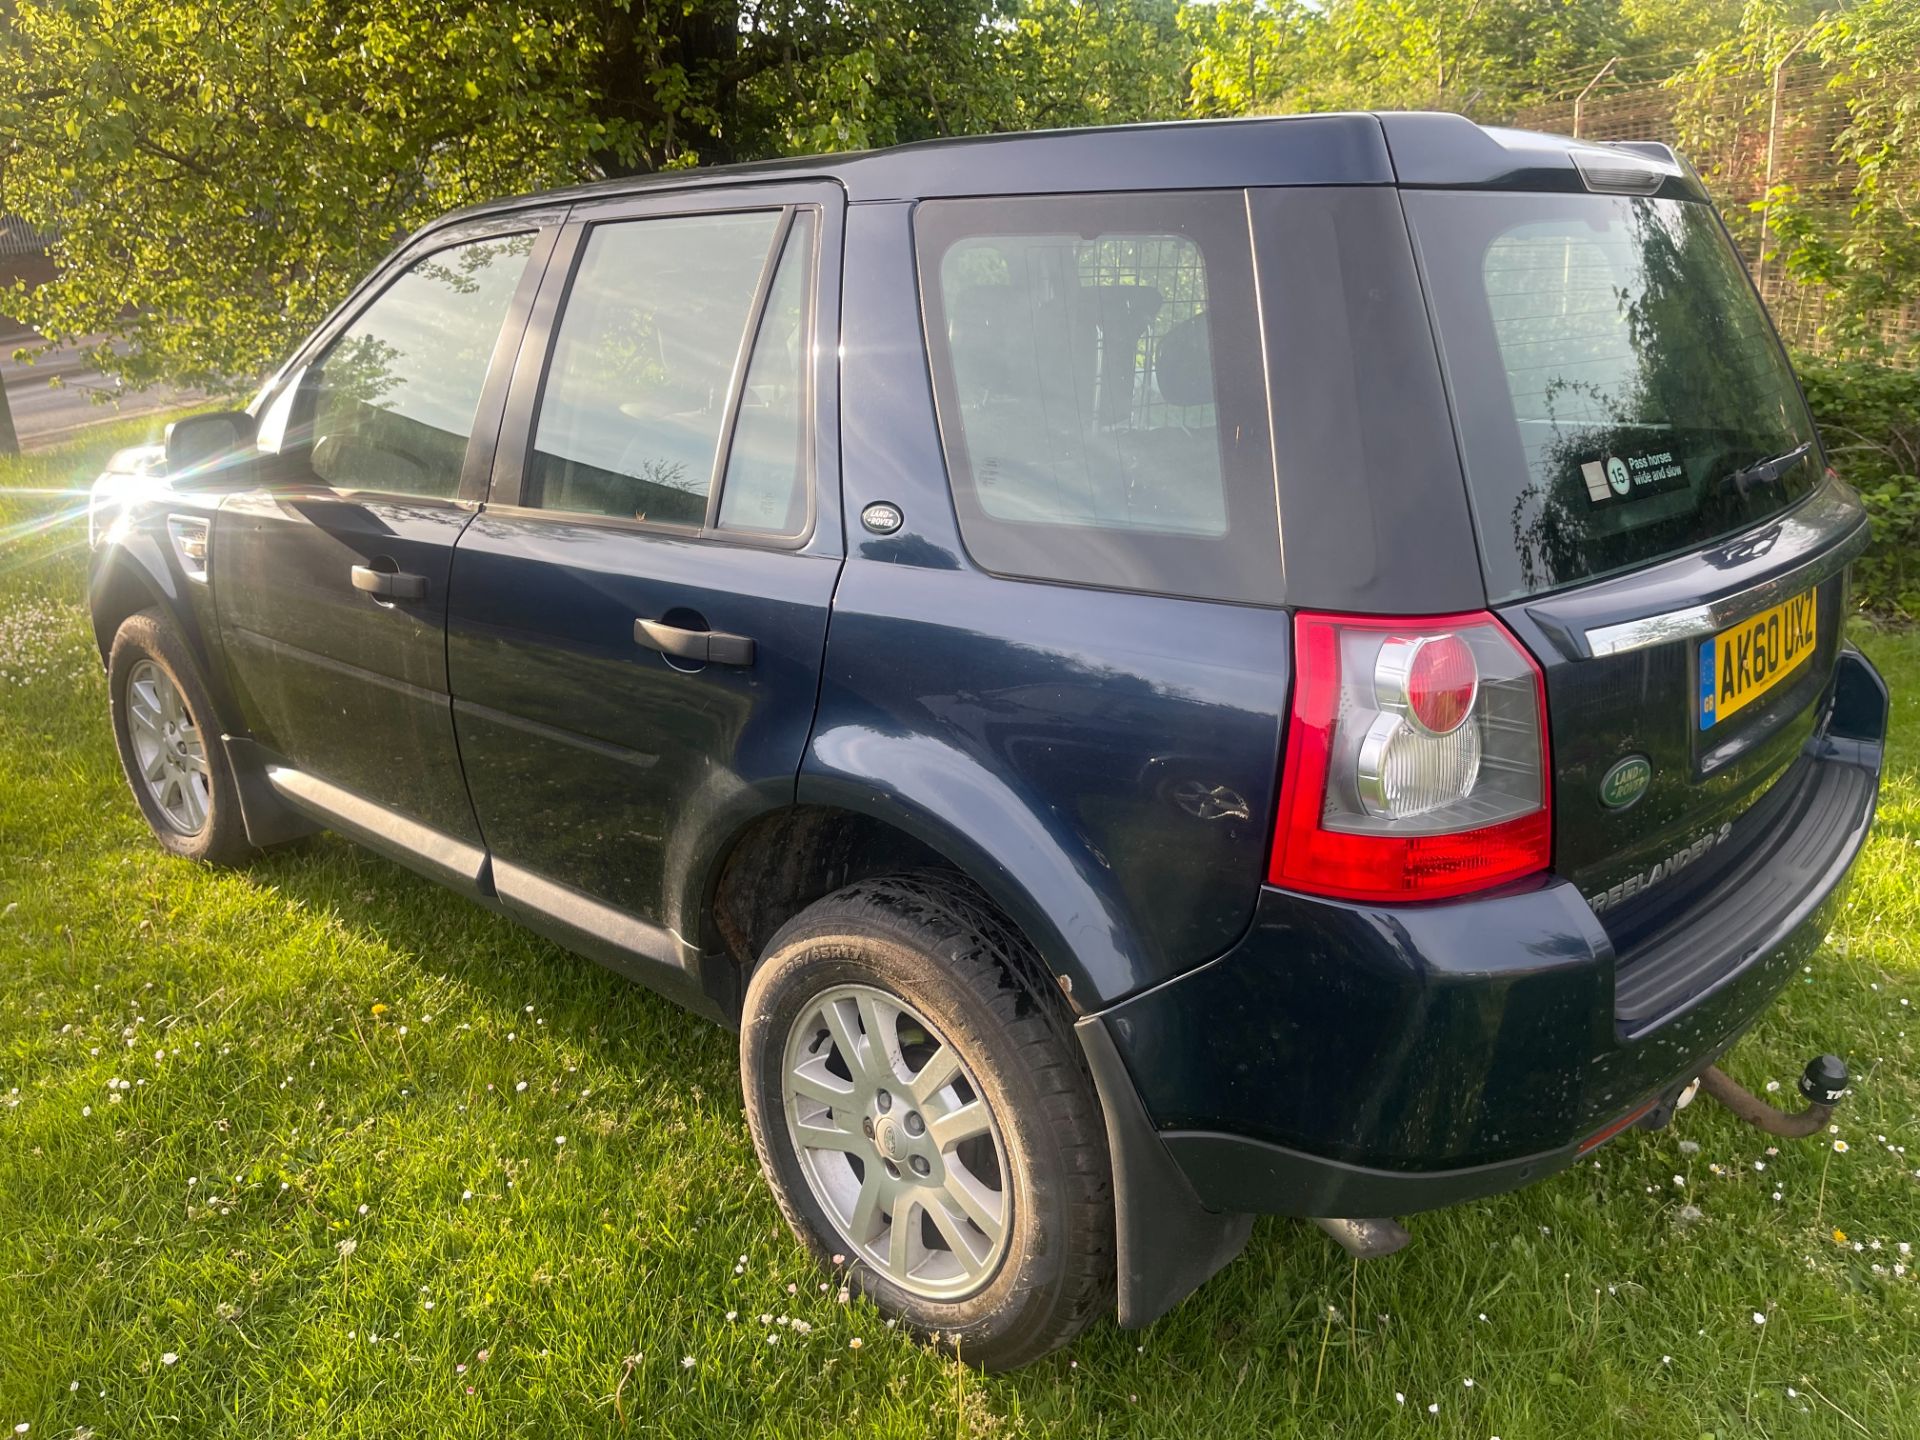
1157, 675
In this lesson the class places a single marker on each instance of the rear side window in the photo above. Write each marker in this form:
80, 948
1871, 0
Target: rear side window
1620, 394
644, 387
1097, 368
767, 459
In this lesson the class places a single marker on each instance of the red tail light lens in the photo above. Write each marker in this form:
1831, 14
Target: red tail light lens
1441, 682
1416, 763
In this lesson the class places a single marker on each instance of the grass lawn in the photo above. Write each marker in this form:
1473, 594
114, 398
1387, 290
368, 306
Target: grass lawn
318, 1149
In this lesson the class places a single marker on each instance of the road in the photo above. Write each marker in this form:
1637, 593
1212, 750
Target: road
60, 394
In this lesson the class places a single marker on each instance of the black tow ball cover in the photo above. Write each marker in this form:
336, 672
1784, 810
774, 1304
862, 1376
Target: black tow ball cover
1825, 1080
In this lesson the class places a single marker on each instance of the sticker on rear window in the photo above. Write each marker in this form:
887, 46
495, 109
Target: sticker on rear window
1614, 478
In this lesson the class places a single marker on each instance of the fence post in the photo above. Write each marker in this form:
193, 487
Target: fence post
1773, 140
1581, 99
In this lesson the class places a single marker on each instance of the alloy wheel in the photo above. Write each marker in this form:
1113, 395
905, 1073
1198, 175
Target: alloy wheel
168, 748
897, 1142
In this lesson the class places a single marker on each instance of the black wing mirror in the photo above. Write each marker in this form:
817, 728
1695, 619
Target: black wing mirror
205, 450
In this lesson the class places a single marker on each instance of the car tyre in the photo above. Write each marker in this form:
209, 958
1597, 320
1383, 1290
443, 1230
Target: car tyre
1007, 1252
170, 746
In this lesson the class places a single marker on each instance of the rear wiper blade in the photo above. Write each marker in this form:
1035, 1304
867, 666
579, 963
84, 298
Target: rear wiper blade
1768, 471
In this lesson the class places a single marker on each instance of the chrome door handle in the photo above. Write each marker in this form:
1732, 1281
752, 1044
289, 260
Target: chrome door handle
705, 646
389, 584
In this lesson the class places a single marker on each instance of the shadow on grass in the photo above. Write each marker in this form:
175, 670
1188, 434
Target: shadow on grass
616, 1020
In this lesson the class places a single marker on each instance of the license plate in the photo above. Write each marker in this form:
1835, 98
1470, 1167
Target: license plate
1739, 665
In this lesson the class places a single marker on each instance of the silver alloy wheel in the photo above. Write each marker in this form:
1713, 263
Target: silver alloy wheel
168, 748
897, 1142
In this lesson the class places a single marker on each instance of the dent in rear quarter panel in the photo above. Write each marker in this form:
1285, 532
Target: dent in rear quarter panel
1103, 763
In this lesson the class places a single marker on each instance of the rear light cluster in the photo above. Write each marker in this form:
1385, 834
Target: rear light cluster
1416, 762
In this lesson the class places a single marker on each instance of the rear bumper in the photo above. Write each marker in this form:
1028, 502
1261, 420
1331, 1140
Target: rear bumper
1355, 1060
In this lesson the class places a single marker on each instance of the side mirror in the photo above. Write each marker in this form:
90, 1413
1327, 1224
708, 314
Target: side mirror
204, 449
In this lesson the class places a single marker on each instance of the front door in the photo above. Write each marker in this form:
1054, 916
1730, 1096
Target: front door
330, 576
639, 613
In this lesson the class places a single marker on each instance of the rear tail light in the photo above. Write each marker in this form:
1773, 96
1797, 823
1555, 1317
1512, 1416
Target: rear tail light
1416, 762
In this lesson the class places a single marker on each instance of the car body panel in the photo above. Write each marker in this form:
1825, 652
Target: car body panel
607, 777
1474, 1037
1060, 743
334, 681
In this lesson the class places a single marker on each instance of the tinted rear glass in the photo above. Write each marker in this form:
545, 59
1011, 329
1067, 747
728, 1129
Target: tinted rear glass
1619, 392
1097, 365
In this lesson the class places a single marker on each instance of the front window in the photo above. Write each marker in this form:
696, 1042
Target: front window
394, 397
1619, 392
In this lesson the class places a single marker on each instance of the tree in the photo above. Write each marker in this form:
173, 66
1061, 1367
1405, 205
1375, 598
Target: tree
217, 171
1093, 62
9, 439
220, 171
1475, 56
1247, 53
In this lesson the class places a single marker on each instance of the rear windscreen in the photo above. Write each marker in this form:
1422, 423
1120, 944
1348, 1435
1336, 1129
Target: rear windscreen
1619, 393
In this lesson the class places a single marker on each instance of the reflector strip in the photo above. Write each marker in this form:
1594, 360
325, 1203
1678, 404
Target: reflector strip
1599, 1138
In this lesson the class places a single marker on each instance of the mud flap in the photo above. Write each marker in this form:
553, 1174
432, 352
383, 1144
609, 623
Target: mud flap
1168, 1244
269, 819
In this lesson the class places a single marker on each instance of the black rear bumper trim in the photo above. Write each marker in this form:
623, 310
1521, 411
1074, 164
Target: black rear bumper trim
1808, 849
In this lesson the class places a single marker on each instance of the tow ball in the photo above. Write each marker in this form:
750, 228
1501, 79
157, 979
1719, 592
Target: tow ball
1821, 1085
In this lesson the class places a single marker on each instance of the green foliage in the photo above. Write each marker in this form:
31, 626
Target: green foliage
1072, 62
1247, 54
1477, 56
1858, 238
1869, 416
229, 167
221, 172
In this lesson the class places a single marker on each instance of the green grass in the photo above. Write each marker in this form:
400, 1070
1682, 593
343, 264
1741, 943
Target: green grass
299, 1128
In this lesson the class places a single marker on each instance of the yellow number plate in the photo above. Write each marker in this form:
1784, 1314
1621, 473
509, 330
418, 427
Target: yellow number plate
1740, 665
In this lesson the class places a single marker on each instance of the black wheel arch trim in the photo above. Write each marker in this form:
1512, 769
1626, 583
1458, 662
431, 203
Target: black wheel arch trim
137, 573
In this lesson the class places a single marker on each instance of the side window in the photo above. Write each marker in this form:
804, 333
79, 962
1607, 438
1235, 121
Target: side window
642, 381
766, 481
1084, 372
393, 398
1098, 371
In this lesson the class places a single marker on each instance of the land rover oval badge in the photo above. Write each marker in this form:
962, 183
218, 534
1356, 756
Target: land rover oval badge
1626, 782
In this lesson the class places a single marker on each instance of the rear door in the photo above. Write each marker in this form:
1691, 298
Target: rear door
331, 577
1654, 517
638, 615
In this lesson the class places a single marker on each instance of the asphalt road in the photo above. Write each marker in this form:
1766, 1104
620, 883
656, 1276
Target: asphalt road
59, 394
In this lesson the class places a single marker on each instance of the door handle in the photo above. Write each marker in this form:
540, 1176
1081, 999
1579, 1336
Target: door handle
706, 646
389, 584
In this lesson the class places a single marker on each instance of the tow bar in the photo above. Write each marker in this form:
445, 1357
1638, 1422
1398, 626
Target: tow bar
1821, 1085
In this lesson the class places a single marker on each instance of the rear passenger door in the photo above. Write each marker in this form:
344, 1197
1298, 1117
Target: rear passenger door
638, 615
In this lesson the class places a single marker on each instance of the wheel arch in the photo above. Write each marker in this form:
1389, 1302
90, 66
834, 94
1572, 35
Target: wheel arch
1032, 862
133, 573
122, 584
781, 861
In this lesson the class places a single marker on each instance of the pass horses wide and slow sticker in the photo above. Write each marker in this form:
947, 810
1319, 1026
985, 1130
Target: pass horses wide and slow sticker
1739, 665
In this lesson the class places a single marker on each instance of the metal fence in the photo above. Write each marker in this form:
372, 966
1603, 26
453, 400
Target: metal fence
1747, 135
18, 238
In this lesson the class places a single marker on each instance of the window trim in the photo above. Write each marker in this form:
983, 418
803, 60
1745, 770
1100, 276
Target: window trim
534, 366
545, 226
